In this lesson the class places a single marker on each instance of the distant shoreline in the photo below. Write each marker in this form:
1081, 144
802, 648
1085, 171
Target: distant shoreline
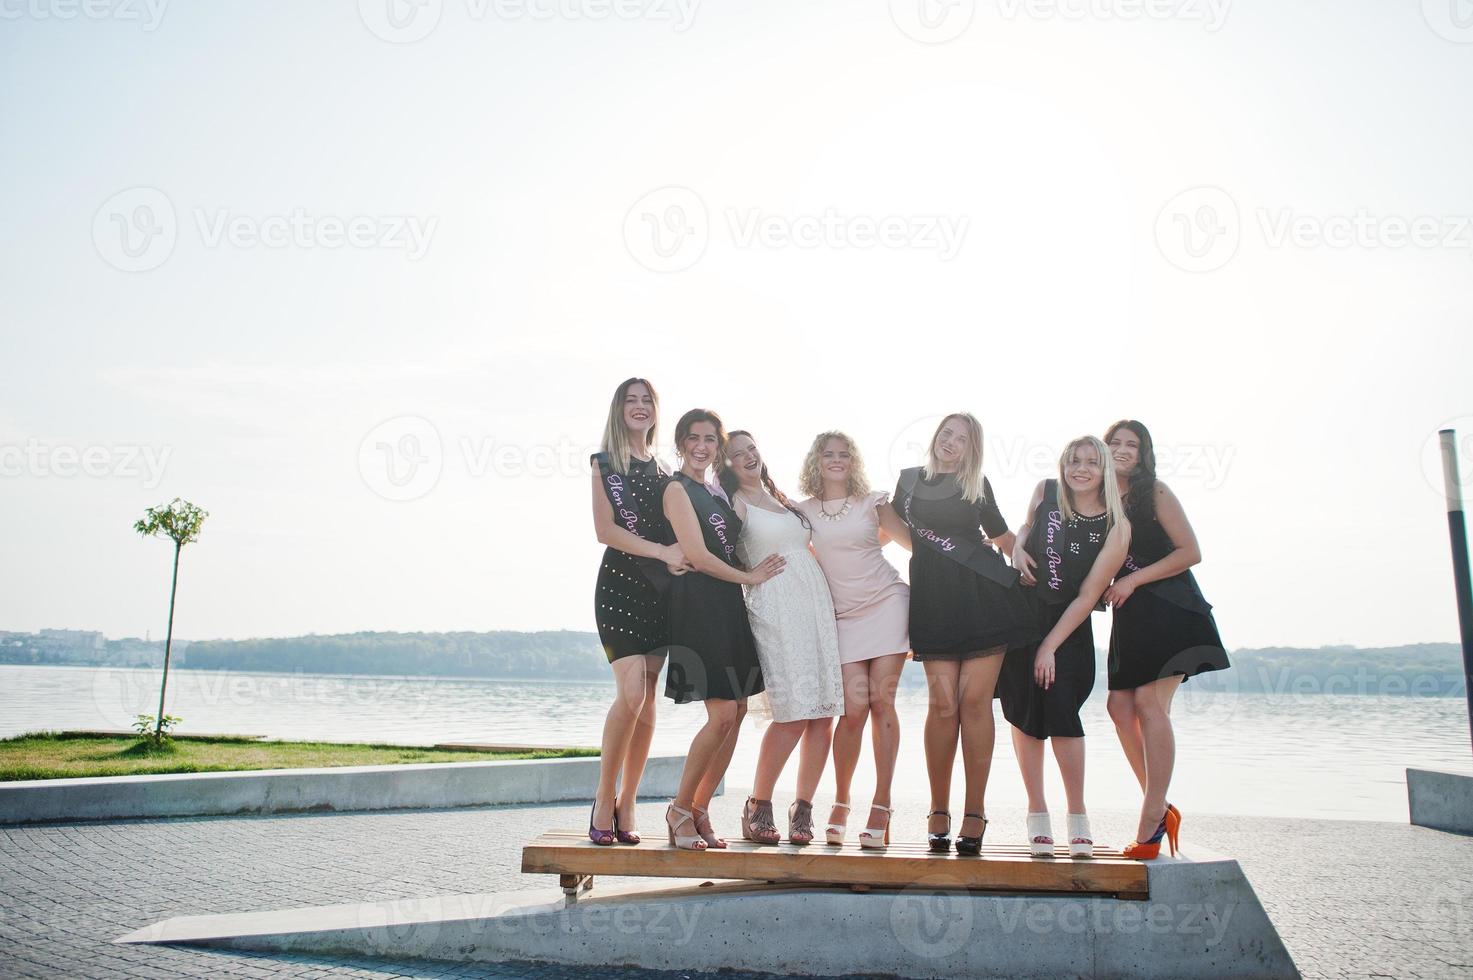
1414, 670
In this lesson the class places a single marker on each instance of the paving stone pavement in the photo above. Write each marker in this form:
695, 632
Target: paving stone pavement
1351, 899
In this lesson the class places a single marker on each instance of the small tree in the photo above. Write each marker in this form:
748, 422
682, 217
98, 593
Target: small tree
179, 521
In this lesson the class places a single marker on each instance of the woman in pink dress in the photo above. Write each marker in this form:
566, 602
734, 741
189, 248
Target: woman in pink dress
872, 605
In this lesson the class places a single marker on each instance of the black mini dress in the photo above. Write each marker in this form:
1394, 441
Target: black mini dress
712, 651
965, 600
1063, 553
628, 600
1164, 628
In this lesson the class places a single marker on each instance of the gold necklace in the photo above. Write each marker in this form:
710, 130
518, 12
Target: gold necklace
824, 511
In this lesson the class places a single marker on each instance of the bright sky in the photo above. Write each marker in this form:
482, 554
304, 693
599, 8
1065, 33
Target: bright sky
240, 238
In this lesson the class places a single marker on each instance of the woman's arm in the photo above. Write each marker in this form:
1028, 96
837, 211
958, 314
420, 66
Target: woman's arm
892, 528
682, 517
1022, 560
611, 534
1117, 544
1184, 553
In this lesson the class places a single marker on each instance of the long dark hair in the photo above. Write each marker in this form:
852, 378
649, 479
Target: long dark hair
730, 481
1140, 489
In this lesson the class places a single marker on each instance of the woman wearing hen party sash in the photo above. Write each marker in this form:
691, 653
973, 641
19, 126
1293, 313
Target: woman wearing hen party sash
797, 642
966, 610
629, 600
872, 603
1075, 539
1162, 631
713, 657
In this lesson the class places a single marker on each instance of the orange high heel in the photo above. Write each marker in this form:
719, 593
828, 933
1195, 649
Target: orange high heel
1172, 819
1148, 849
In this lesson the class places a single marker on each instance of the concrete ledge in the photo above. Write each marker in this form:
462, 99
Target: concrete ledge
1440, 800
1202, 920
339, 788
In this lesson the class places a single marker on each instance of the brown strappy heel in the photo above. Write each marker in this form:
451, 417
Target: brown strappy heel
800, 822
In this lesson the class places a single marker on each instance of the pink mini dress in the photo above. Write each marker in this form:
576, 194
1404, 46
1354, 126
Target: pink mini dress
871, 602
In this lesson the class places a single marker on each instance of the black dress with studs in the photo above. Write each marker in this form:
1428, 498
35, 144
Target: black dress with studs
1063, 553
629, 599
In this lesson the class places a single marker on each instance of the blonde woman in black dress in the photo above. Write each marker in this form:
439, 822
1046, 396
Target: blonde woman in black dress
629, 600
1075, 539
966, 611
713, 656
1162, 631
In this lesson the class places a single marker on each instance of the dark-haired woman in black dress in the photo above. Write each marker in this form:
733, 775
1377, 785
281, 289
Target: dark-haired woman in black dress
713, 657
1162, 630
1075, 539
629, 599
966, 610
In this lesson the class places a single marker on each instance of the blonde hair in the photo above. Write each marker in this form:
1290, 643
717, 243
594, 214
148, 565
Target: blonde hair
616, 433
1110, 489
810, 481
969, 470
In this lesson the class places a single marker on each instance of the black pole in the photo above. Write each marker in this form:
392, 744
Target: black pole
1457, 530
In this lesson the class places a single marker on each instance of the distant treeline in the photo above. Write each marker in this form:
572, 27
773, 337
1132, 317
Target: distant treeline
560, 654
1423, 669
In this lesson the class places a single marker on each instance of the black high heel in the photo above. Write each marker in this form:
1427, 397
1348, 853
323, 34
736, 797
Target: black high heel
940, 843
971, 846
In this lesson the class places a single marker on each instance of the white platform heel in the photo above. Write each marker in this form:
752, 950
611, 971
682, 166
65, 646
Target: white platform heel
834, 832
876, 838
1040, 835
1081, 841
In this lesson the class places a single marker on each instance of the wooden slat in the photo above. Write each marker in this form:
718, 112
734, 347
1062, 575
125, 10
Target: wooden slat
1001, 867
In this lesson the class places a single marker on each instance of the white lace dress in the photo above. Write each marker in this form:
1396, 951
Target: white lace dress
792, 620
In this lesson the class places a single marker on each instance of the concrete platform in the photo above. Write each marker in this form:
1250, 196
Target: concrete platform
1202, 920
1440, 800
330, 789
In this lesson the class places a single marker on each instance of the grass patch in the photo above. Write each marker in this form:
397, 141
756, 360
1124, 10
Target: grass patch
61, 755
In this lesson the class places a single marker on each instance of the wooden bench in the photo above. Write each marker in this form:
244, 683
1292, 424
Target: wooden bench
575, 859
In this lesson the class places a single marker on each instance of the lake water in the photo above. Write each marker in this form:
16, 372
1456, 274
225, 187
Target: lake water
1317, 755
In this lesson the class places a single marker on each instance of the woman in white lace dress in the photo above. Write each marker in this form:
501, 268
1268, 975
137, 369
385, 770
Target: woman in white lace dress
792, 619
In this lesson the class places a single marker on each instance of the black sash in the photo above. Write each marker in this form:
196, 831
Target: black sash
714, 513
626, 512
1180, 589
983, 560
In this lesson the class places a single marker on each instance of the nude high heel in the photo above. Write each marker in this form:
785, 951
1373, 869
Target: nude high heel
686, 842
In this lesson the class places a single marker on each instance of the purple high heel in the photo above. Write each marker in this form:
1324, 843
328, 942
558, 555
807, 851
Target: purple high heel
623, 836
602, 838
